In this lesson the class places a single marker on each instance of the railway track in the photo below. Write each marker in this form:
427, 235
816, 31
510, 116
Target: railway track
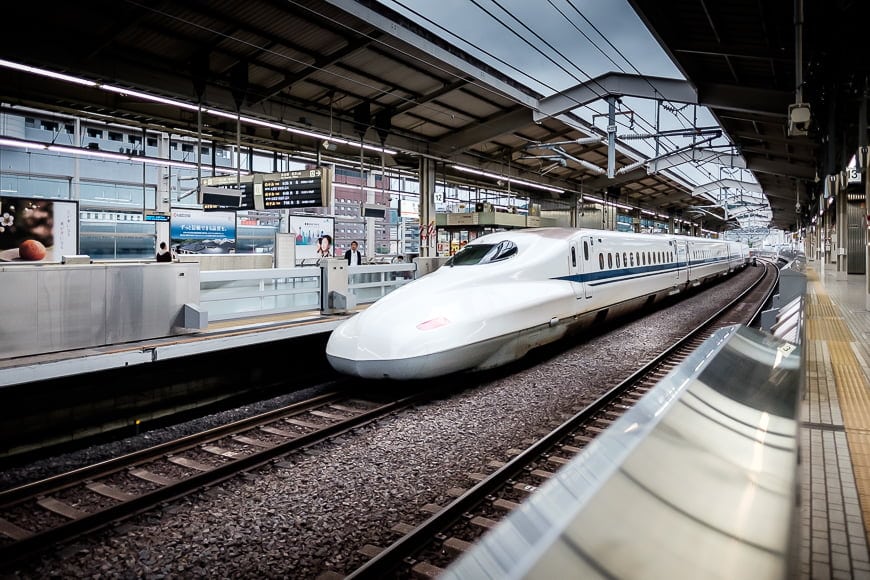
425, 550
59, 509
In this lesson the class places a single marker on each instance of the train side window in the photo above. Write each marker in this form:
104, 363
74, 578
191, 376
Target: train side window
573, 257
600, 261
637, 258
617, 260
609, 260
631, 258
585, 251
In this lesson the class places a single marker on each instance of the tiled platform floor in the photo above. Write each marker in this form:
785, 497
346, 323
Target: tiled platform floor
835, 438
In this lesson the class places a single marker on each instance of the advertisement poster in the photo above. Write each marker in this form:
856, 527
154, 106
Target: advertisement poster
314, 236
37, 230
193, 231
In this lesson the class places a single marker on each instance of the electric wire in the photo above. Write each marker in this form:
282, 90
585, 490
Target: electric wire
548, 57
378, 90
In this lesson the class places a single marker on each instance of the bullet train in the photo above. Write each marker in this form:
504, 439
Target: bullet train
506, 293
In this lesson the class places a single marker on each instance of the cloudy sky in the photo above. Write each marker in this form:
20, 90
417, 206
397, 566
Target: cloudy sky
551, 45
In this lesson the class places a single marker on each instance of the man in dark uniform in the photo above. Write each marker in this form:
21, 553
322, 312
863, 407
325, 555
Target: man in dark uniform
353, 257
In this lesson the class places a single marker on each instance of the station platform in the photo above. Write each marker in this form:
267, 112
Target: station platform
835, 432
219, 335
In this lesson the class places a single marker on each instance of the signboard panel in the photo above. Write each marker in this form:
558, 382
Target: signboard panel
293, 189
196, 232
37, 229
220, 193
314, 236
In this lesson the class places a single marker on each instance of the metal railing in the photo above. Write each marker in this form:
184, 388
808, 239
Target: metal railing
232, 294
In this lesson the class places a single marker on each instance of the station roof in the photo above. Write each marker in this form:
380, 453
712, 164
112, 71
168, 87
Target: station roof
345, 67
741, 57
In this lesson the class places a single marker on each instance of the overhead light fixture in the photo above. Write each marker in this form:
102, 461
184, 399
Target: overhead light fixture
87, 152
184, 105
509, 179
46, 73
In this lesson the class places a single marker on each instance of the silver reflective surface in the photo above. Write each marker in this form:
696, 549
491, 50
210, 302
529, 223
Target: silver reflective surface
58, 307
698, 480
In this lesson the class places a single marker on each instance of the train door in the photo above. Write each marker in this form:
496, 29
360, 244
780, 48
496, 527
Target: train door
585, 257
576, 253
681, 254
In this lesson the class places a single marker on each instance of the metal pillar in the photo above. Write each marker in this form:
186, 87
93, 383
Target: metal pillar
611, 136
842, 231
428, 236
164, 188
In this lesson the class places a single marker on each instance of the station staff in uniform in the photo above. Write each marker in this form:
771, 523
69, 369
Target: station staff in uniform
353, 256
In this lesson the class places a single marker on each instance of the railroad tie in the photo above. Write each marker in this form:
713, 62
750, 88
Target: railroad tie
251, 441
110, 491
431, 508
425, 570
58, 507
152, 477
189, 463
455, 546
370, 551
10, 530
402, 529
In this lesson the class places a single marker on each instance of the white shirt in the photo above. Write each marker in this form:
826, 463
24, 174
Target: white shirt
354, 258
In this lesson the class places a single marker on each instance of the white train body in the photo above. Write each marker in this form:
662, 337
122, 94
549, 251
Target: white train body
508, 292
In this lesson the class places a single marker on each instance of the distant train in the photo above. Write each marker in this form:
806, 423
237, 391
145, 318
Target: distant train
509, 292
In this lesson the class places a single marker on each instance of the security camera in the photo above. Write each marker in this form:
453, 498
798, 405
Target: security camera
799, 119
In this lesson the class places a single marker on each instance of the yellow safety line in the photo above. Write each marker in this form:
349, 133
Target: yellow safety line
826, 323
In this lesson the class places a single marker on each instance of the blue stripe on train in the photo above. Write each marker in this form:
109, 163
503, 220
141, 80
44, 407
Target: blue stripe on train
619, 275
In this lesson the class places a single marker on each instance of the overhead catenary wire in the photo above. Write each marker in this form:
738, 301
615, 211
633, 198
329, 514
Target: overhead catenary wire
377, 90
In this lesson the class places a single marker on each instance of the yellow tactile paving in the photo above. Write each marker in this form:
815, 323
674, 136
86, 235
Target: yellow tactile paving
825, 325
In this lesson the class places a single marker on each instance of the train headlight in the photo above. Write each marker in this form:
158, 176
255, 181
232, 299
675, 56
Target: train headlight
433, 323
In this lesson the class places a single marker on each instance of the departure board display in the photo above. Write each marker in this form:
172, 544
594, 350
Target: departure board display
221, 193
226, 197
293, 189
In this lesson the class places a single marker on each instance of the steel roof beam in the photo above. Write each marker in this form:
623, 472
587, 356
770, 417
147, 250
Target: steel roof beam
619, 84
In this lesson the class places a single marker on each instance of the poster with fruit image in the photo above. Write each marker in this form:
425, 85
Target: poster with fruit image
37, 230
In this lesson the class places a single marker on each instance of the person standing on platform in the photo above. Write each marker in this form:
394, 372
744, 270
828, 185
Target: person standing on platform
163, 254
353, 256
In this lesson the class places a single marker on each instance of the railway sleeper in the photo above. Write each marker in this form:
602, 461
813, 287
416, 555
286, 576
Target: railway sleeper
402, 529
425, 570
431, 508
504, 504
456, 546
370, 551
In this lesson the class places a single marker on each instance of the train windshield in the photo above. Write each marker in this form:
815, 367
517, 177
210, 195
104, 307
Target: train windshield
483, 253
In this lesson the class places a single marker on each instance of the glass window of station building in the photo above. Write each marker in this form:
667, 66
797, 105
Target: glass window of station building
114, 195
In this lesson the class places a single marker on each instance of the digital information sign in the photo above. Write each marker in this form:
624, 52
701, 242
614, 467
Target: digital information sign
222, 193
293, 189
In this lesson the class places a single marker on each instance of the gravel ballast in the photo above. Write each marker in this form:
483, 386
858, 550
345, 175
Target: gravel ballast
312, 511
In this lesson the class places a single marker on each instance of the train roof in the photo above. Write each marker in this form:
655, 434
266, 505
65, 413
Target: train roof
563, 233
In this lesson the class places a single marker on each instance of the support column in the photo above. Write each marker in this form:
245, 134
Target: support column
164, 188
428, 235
842, 229
611, 136
671, 221
635, 221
